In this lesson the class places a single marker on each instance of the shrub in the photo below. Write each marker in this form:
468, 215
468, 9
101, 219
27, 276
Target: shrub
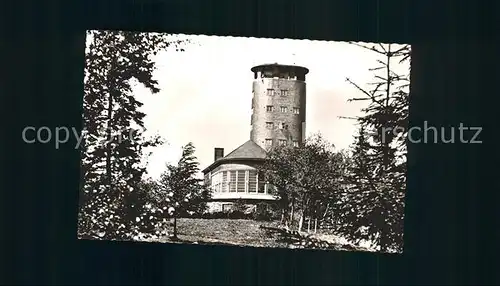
239, 206
237, 214
262, 212
215, 215
218, 215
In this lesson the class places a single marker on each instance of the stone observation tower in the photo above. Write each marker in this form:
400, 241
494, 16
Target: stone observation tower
278, 105
278, 118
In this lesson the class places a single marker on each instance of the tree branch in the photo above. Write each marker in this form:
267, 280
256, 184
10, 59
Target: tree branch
368, 48
364, 91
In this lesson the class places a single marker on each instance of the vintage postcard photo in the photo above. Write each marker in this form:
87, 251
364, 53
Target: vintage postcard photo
255, 142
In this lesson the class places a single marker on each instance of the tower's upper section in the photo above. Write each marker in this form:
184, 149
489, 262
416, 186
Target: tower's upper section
278, 105
280, 71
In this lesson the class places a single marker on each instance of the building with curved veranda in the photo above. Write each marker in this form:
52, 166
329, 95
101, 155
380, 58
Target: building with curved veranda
278, 118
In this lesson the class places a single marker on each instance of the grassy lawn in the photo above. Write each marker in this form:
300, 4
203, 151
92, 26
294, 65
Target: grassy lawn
225, 231
242, 232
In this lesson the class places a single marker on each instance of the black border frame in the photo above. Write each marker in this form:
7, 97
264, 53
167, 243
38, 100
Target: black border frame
442, 226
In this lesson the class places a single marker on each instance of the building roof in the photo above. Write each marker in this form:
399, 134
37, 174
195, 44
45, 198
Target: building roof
264, 66
247, 151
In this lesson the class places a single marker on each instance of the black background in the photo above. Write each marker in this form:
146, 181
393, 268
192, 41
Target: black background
451, 231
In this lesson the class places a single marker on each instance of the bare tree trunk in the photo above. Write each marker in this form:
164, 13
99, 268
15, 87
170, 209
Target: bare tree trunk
384, 243
383, 233
292, 213
301, 221
326, 210
283, 204
284, 212
309, 224
322, 217
109, 181
305, 210
175, 226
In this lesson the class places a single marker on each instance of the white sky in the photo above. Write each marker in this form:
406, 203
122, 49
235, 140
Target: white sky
206, 92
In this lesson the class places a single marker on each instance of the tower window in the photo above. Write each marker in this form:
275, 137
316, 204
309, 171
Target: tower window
284, 92
270, 91
295, 143
283, 109
282, 142
269, 142
283, 125
296, 110
269, 108
269, 125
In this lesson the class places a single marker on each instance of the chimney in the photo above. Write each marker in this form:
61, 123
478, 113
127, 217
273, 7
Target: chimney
218, 153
